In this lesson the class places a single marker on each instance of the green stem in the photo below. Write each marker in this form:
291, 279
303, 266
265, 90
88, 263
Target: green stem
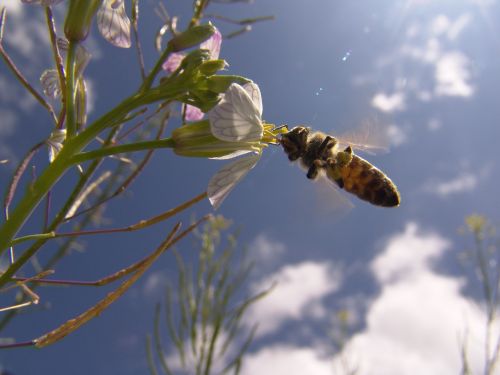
70, 90
199, 7
30, 237
156, 69
133, 147
84, 178
55, 170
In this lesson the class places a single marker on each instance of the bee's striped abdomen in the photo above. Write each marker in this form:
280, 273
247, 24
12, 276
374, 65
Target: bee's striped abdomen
369, 183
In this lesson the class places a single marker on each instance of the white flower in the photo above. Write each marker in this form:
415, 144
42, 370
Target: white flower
237, 118
114, 23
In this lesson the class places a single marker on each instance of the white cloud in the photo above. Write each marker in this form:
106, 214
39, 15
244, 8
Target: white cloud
155, 284
13, 6
389, 103
452, 72
464, 182
287, 360
442, 25
457, 27
28, 34
298, 292
434, 124
265, 249
407, 253
429, 63
396, 135
453, 75
187, 365
416, 324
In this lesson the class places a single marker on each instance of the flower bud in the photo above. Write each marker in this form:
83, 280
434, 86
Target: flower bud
79, 18
194, 59
203, 99
220, 84
209, 68
191, 37
81, 103
196, 140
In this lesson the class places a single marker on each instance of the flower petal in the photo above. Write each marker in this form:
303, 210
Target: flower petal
173, 62
193, 113
236, 118
113, 23
82, 55
213, 44
55, 143
232, 155
226, 179
50, 83
253, 90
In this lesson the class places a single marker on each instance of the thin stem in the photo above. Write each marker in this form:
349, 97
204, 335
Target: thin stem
3, 16
137, 226
128, 180
50, 176
72, 146
148, 82
63, 249
17, 176
57, 56
145, 120
31, 237
133, 147
70, 90
149, 352
242, 22
199, 7
135, 19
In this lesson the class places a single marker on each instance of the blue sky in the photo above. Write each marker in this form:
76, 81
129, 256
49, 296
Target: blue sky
423, 74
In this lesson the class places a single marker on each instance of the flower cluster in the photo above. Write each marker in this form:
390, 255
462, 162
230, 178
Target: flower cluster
173, 62
234, 128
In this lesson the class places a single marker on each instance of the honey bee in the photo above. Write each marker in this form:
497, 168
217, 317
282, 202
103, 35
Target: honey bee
319, 152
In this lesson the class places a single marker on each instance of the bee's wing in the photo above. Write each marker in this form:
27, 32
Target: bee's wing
367, 148
370, 137
331, 200
225, 180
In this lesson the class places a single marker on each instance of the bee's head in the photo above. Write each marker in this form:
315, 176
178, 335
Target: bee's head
294, 142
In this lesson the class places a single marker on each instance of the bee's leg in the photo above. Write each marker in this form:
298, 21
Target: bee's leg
312, 173
328, 143
333, 171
